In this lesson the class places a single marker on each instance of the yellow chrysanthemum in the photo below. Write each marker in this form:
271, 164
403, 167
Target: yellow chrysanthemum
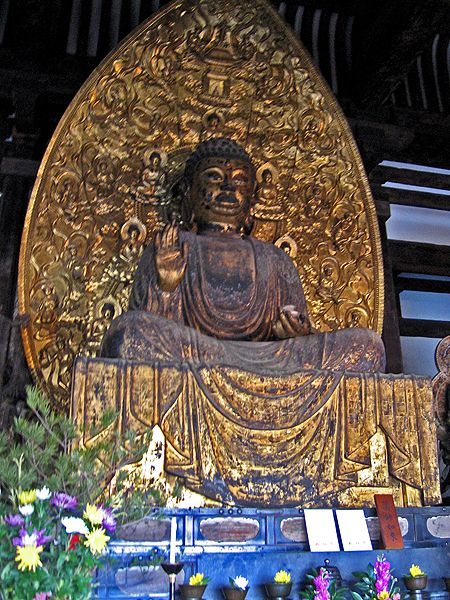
96, 540
27, 497
383, 595
282, 577
28, 557
93, 514
196, 579
416, 571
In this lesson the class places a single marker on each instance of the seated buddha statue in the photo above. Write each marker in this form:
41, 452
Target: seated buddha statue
214, 295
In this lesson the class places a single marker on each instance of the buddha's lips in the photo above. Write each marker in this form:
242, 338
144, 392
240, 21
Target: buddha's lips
226, 199
226, 204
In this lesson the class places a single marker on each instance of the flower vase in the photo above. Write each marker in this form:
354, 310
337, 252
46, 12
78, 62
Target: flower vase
234, 594
278, 591
416, 584
192, 592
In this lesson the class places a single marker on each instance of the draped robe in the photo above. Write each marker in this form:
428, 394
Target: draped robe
249, 418
223, 310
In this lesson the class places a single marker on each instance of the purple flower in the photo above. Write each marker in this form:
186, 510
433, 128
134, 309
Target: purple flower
109, 521
382, 572
36, 538
15, 520
321, 585
62, 500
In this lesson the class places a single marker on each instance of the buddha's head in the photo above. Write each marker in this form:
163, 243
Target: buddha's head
133, 233
220, 179
155, 160
267, 176
108, 311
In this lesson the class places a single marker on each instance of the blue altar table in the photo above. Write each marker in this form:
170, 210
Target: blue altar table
255, 543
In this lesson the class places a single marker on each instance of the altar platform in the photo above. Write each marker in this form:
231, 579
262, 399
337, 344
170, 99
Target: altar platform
255, 543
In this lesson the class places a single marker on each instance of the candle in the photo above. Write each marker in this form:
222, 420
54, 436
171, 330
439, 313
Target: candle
173, 539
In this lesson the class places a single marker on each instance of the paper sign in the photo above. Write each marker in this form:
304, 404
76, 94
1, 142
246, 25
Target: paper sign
321, 530
353, 530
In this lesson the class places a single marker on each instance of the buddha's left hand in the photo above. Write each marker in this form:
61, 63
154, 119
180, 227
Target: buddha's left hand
291, 324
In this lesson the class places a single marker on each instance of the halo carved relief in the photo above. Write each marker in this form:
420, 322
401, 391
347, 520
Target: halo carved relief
196, 69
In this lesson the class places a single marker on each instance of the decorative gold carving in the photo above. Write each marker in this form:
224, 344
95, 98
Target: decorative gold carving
353, 427
196, 69
441, 382
441, 392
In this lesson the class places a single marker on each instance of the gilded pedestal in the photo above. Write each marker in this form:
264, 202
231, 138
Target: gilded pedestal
316, 438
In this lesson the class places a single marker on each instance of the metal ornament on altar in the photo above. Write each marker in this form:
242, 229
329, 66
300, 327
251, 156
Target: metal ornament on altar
110, 176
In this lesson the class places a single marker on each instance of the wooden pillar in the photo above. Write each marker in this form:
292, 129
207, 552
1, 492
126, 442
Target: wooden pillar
391, 328
16, 179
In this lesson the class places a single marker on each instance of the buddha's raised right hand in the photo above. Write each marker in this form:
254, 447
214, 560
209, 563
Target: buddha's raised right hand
170, 257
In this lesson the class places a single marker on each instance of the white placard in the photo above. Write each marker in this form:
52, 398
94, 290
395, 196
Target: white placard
321, 529
353, 530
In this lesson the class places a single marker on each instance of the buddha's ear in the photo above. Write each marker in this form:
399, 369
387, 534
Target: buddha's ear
255, 192
248, 224
183, 194
193, 223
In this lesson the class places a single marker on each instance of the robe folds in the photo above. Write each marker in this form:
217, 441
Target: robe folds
223, 310
250, 419
313, 438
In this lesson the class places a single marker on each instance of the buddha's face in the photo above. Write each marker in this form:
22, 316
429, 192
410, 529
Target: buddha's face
267, 176
155, 160
133, 233
221, 192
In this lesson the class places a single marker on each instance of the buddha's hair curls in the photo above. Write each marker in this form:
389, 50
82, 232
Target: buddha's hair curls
215, 147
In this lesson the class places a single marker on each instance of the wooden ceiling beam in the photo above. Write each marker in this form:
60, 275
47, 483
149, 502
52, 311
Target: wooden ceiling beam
402, 136
382, 174
411, 197
416, 257
424, 328
401, 31
414, 284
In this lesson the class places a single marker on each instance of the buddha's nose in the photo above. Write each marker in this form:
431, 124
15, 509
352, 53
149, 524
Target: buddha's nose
227, 185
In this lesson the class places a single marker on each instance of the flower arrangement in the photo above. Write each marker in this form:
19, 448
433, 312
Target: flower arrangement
280, 586
46, 550
377, 583
416, 579
415, 571
321, 587
198, 579
239, 583
282, 577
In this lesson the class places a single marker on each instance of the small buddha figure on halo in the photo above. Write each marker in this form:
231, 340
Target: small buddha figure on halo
153, 182
218, 296
267, 205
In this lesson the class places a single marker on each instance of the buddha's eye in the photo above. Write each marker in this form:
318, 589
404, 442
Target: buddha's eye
240, 179
213, 176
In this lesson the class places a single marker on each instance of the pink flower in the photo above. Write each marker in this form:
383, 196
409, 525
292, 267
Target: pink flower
396, 596
382, 572
42, 596
321, 585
